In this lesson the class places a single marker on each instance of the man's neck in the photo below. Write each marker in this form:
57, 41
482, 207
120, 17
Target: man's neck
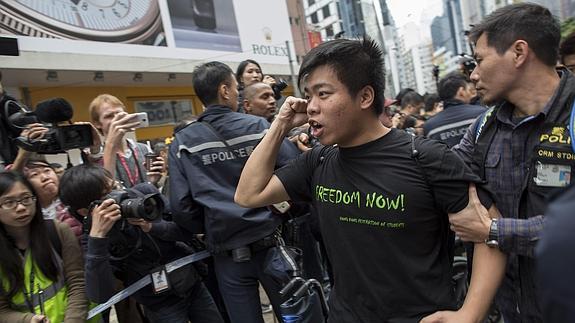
371, 130
536, 90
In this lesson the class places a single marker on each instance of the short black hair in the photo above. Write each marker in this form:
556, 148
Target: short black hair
242, 67
567, 47
402, 92
527, 21
207, 78
411, 98
357, 63
430, 100
450, 84
83, 184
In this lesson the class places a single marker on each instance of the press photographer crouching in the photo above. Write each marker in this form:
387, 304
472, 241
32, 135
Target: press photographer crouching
126, 239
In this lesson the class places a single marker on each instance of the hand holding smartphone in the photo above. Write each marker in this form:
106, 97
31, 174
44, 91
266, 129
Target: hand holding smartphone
142, 118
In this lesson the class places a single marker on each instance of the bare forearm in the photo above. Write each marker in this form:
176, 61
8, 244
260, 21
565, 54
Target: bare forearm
21, 159
488, 270
260, 166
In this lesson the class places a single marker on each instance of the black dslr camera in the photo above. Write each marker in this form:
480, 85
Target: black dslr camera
148, 207
59, 138
278, 88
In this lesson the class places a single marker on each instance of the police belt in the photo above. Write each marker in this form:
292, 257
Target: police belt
144, 281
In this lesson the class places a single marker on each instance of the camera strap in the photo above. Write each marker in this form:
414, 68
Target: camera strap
144, 281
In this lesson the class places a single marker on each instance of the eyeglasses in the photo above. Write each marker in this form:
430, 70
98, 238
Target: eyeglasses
12, 204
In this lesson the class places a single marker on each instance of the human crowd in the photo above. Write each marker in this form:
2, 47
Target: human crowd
362, 193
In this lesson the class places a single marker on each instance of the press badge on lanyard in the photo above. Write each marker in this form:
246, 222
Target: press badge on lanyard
160, 281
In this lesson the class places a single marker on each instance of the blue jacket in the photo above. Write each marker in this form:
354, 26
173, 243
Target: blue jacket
450, 125
204, 174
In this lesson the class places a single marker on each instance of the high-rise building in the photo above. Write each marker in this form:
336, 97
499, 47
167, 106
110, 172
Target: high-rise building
354, 19
448, 30
416, 58
323, 16
300, 33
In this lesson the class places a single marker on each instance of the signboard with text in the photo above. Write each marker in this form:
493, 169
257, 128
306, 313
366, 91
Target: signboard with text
228, 30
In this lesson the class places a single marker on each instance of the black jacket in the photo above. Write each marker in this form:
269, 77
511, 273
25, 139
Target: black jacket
552, 153
204, 174
450, 125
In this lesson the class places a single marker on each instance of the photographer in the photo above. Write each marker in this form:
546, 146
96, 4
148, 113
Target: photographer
121, 244
122, 157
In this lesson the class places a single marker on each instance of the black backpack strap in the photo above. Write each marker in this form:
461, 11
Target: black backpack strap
53, 236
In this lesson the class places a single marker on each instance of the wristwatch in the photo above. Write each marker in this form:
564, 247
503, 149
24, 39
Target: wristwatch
493, 239
126, 21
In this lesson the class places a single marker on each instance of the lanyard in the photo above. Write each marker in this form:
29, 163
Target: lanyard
132, 178
28, 296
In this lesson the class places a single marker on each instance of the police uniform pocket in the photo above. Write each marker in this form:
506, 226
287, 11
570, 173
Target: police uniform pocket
491, 169
492, 160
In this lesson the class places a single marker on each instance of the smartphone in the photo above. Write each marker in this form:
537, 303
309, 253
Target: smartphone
142, 117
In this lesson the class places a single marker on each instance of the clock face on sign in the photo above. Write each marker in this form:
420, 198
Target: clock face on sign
103, 20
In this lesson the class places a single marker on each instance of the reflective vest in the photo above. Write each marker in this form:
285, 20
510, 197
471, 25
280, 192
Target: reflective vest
39, 291
42, 294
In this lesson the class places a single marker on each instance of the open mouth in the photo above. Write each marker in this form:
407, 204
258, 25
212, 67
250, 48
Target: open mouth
316, 128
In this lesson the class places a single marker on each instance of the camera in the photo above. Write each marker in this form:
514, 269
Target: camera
278, 87
59, 138
148, 207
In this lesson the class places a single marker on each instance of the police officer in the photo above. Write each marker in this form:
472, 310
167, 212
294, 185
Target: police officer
450, 125
206, 159
521, 147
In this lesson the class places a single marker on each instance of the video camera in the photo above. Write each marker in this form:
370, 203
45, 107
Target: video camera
148, 207
59, 138
278, 87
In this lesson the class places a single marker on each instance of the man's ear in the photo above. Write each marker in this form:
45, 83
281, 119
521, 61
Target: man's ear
223, 91
460, 94
520, 49
247, 106
366, 97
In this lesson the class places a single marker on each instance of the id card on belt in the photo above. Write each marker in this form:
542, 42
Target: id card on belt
160, 281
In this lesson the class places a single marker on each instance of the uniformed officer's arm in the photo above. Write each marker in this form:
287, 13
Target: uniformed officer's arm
258, 186
464, 150
186, 212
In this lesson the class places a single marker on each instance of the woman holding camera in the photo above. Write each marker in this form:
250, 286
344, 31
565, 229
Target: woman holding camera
40, 260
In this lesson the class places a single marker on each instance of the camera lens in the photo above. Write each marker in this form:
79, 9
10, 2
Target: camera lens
149, 207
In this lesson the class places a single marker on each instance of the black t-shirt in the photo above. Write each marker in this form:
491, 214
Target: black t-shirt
386, 236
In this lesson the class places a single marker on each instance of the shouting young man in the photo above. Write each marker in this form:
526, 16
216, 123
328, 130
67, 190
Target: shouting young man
382, 196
